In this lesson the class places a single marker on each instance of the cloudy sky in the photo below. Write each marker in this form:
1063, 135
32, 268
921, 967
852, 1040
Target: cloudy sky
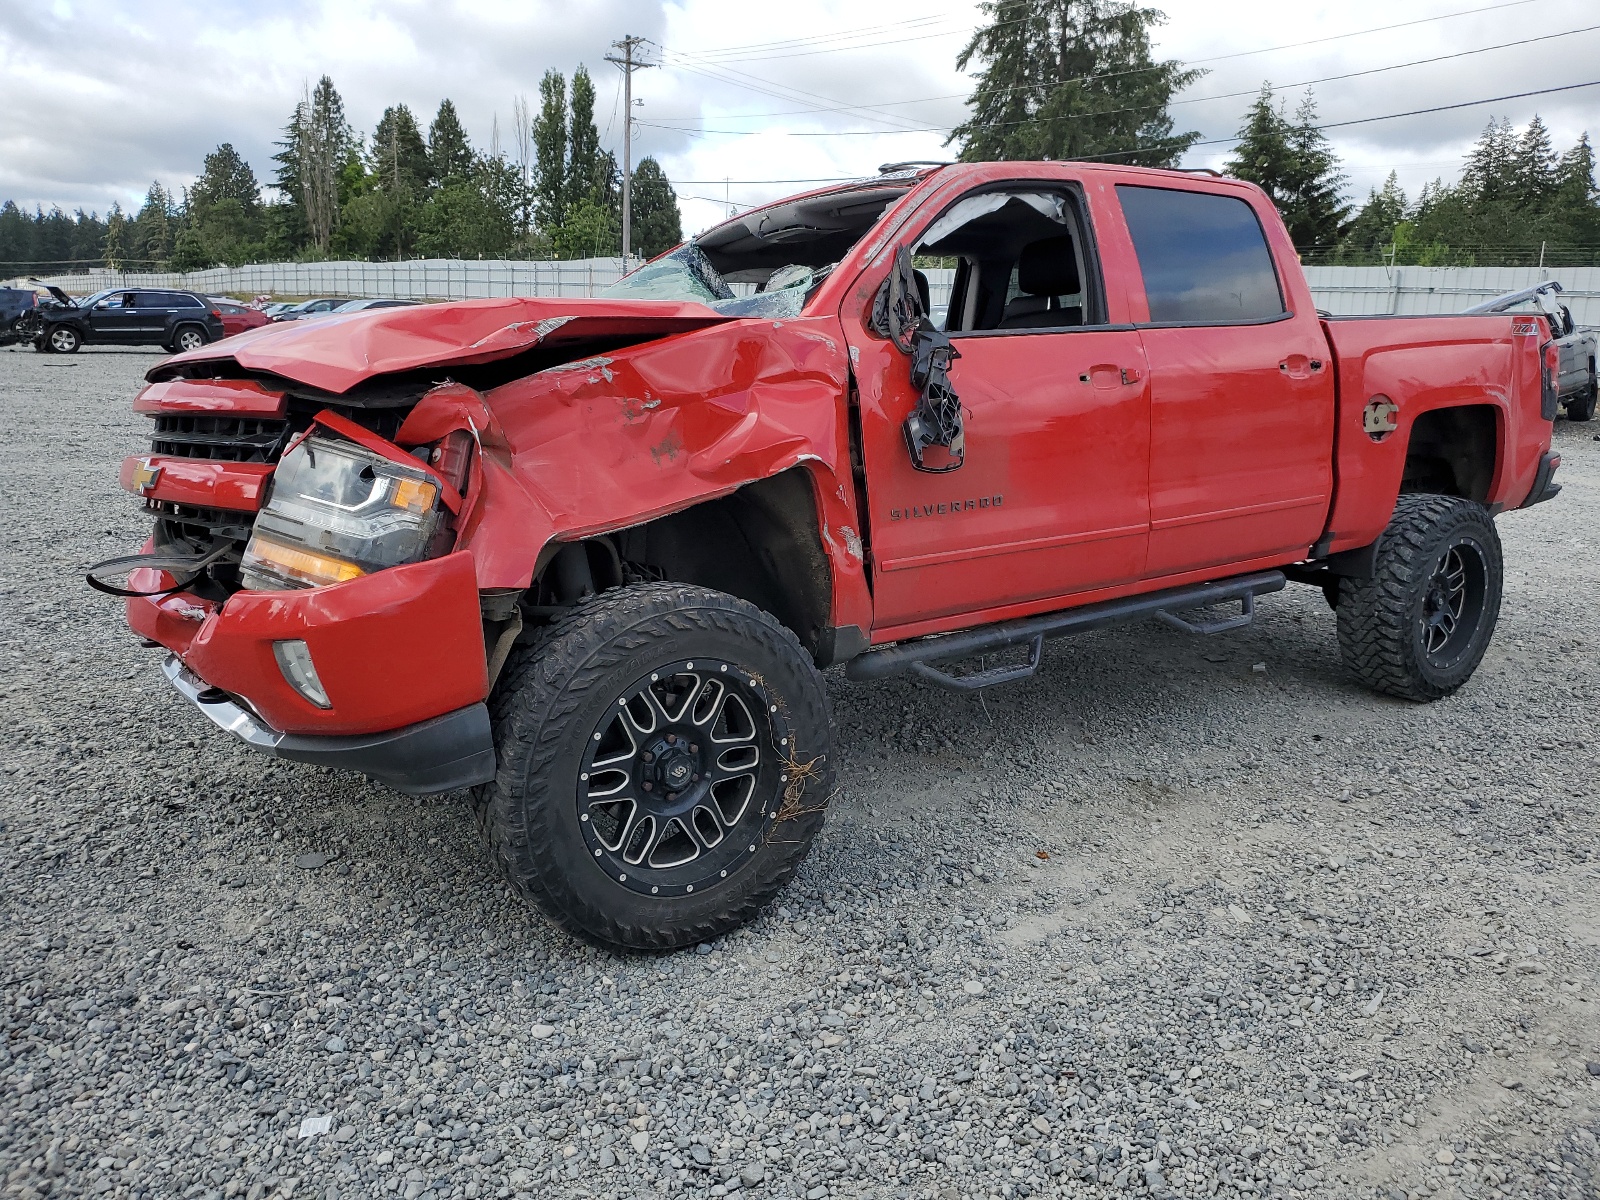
748, 99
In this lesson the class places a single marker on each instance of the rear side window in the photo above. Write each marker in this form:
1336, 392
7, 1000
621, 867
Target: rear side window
179, 300
1204, 257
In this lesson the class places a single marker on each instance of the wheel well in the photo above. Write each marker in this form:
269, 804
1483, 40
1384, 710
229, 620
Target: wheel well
1452, 452
761, 543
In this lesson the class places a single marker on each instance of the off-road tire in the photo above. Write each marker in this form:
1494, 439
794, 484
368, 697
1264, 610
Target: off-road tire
192, 334
558, 687
1581, 408
1386, 623
63, 339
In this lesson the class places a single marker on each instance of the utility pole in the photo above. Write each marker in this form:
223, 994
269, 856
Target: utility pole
628, 64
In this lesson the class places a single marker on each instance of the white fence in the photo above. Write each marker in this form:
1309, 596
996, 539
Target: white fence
1339, 290
417, 279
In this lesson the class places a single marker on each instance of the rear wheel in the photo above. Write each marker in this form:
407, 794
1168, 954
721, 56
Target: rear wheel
190, 337
1581, 408
663, 766
1419, 627
63, 339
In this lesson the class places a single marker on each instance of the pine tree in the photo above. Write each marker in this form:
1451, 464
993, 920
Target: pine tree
657, 226
449, 148
118, 245
550, 151
324, 146
225, 176
1373, 229
1071, 79
1534, 164
401, 164
153, 228
583, 142
1491, 169
1318, 213
1292, 162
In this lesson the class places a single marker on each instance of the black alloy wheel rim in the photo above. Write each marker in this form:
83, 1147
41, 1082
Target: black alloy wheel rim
1452, 604
683, 778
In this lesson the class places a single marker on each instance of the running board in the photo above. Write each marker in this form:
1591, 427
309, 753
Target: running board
916, 656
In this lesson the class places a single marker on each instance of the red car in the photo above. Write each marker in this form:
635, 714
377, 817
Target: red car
589, 557
236, 317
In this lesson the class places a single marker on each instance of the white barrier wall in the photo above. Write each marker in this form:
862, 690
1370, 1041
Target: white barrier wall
1339, 290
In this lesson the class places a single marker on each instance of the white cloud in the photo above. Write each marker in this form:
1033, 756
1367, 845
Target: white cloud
101, 99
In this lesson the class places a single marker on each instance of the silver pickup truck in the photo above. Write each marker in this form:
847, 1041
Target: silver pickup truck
1578, 387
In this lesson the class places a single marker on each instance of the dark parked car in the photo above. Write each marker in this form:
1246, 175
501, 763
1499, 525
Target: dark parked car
1577, 382
16, 306
320, 307
128, 316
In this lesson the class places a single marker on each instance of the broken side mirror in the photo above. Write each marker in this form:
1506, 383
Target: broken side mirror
934, 433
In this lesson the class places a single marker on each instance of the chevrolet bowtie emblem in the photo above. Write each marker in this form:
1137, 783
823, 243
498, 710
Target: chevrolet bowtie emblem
145, 476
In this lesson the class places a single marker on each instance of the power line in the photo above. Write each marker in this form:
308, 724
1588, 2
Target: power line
1144, 108
840, 106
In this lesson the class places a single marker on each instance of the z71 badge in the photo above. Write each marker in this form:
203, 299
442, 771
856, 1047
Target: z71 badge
947, 509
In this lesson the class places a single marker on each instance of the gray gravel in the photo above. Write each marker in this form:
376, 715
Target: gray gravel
1157, 922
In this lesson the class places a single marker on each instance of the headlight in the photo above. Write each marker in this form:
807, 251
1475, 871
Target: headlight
338, 512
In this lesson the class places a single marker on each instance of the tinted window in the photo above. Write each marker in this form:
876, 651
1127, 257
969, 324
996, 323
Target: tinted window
179, 300
1203, 257
152, 300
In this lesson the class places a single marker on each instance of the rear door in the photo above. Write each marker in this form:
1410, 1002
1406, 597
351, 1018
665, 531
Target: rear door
1241, 382
1052, 496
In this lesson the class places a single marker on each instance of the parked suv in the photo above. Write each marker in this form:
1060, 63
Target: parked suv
129, 316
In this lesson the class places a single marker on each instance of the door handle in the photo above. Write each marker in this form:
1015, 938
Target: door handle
1110, 375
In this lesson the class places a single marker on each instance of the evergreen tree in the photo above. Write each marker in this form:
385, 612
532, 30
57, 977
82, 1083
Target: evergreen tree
1373, 230
1534, 164
1491, 167
657, 226
324, 146
449, 149
1071, 79
154, 228
550, 151
1292, 162
400, 161
225, 176
583, 180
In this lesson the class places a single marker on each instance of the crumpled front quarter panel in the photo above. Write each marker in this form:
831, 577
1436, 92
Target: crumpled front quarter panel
617, 440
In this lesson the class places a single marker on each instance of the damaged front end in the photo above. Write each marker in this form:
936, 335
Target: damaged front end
308, 569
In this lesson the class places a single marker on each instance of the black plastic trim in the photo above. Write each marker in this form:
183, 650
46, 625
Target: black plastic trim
1544, 485
894, 660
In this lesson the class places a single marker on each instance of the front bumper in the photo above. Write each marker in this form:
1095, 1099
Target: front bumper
442, 754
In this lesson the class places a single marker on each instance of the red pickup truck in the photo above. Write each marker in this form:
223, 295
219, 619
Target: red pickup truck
589, 557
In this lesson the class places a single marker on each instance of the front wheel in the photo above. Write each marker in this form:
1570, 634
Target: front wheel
1419, 627
664, 764
63, 339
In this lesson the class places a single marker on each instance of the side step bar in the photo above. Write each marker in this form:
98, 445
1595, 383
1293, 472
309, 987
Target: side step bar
916, 656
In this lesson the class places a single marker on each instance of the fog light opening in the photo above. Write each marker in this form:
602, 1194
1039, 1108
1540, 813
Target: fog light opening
294, 660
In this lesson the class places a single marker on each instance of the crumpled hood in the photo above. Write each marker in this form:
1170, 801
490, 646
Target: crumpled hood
335, 353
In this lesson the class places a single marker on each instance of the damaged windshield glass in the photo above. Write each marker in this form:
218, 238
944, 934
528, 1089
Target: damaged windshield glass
687, 274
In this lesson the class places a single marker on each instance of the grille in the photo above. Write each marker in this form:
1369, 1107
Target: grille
200, 528
228, 439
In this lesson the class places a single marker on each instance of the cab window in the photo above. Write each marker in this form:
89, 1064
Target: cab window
1020, 262
1204, 257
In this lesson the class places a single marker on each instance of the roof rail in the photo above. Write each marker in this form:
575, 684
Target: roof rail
1199, 171
885, 168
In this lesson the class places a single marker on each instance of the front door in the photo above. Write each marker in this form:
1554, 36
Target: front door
1052, 496
1242, 392
114, 319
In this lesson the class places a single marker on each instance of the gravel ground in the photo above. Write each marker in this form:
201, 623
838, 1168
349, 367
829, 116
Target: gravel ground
1179, 917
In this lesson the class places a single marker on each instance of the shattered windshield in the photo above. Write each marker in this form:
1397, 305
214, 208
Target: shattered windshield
687, 274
